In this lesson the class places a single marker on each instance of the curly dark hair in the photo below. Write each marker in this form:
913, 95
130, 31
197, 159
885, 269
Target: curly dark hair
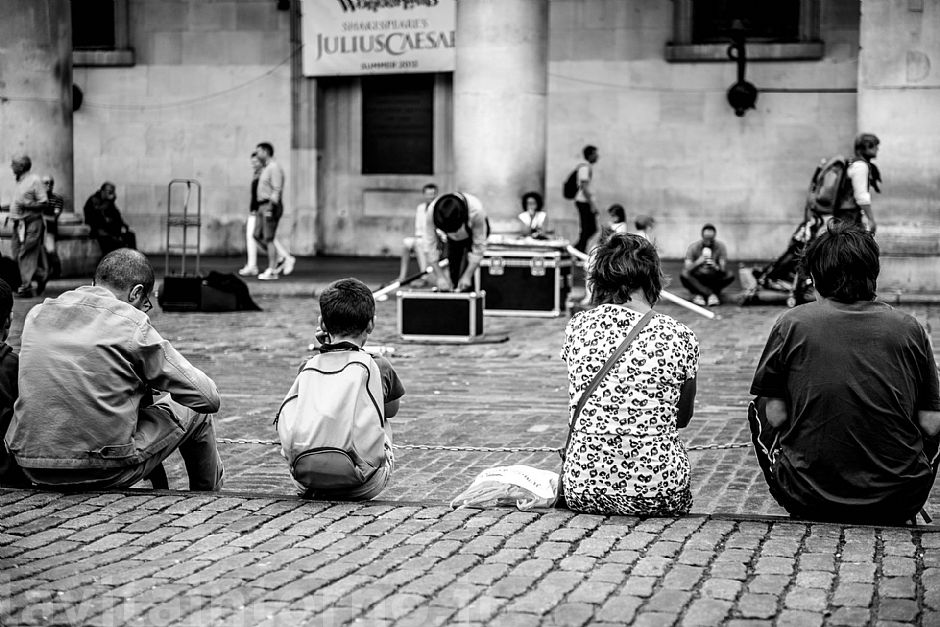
539, 203
622, 264
843, 263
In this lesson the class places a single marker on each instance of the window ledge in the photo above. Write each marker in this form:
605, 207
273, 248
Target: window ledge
103, 58
801, 51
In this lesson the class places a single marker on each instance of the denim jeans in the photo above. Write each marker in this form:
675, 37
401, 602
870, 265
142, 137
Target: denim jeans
162, 428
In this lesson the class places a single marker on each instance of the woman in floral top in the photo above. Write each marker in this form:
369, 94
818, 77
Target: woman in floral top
625, 455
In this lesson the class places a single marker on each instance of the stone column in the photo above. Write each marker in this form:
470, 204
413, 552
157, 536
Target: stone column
899, 101
304, 157
500, 87
36, 89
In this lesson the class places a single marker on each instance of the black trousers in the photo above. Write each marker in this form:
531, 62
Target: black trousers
588, 223
457, 252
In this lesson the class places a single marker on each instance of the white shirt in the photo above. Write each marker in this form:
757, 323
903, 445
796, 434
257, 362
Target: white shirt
858, 174
585, 174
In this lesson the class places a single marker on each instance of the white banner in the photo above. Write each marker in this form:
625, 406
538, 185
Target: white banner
343, 37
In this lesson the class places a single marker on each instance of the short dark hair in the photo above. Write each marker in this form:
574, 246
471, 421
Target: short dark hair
866, 140
268, 148
539, 203
123, 269
347, 307
429, 186
6, 302
622, 264
843, 263
450, 212
643, 222
709, 225
589, 150
618, 212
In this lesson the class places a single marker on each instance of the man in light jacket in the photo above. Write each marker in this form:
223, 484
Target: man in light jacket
91, 366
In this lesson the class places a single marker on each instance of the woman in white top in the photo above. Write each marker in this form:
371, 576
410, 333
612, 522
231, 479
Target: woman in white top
533, 217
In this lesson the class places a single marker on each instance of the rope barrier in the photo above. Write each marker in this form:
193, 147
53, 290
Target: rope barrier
488, 449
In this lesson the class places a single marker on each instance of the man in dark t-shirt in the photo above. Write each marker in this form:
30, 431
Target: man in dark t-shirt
850, 388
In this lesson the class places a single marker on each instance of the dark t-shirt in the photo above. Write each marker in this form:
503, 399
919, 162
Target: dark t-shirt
853, 377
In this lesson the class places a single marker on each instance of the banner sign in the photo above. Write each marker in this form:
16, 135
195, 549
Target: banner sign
344, 37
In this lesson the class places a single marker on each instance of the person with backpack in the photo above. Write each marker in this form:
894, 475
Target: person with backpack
863, 176
333, 424
579, 187
462, 220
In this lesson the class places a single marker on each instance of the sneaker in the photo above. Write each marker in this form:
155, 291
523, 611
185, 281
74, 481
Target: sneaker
713, 300
269, 275
24, 291
289, 264
248, 271
699, 300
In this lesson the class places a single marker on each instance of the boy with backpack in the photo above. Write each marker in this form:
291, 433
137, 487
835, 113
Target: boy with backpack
333, 424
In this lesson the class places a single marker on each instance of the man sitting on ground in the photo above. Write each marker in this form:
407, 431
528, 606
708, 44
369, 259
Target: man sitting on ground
849, 388
704, 273
90, 365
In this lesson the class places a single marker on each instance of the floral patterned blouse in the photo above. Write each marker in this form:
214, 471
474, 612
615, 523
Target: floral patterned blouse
625, 455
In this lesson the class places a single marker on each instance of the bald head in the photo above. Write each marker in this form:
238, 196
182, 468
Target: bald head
124, 268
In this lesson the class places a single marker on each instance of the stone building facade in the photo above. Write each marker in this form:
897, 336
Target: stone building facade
192, 85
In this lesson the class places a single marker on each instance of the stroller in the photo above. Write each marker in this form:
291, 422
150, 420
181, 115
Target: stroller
784, 273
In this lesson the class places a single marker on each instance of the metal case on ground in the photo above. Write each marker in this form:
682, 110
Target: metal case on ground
440, 316
525, 281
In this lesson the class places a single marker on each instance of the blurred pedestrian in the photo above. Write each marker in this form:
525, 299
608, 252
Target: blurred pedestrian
585, 200
251, 244
26, 211
50, 216
270, 197
105, 221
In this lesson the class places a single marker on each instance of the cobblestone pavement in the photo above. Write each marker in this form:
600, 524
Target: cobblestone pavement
177, 559
255, 554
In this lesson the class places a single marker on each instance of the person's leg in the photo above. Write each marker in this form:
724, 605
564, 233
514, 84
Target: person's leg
457, 258
588, 225
272, 256
31, 255
764, 437
691, 282
251, 246
16, 250
408, 245
167, 426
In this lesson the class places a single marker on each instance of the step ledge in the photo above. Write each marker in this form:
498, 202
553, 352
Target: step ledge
773, 518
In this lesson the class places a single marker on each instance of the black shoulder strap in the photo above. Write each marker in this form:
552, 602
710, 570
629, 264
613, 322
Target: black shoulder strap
596, 381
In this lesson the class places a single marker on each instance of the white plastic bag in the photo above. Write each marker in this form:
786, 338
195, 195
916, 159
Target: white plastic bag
523, 486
